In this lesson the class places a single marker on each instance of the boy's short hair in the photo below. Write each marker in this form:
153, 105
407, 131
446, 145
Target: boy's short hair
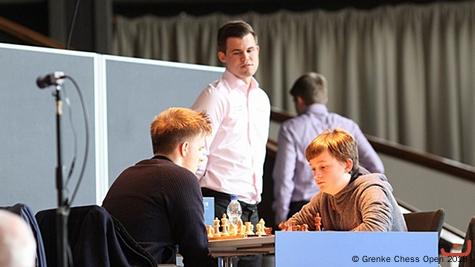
311, 87
338, 142
176, 125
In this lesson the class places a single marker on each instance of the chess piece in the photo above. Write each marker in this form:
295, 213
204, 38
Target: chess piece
261, 221
260, 228
233, 230
249, 228
216, 232
225, 225
268, 230
241, 228
239, 225
210, 231
318, 222
283, 226
292, 226
286, 226
305, 227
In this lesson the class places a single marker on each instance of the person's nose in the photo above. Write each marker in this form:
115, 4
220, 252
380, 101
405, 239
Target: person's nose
316, 174
245, 56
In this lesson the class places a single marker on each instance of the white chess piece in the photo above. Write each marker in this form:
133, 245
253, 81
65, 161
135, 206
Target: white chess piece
210, 231
261, 227
225, 225
216, 231
249, 228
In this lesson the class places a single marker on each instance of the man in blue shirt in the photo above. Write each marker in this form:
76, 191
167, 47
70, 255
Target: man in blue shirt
293, 181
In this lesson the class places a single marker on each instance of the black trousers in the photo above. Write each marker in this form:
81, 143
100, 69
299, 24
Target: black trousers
249, 214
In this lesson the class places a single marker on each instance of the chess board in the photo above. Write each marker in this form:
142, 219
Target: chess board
224, 237
223, 229
251, 245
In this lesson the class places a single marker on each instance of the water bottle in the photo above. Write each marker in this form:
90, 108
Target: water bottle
234, 210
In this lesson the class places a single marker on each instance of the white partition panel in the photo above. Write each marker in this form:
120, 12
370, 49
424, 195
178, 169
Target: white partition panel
122, 95
27, 119
139, 89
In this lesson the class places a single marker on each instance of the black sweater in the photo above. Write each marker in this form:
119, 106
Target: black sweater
161, 206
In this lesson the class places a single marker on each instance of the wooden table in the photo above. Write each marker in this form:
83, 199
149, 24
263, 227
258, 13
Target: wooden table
226, 249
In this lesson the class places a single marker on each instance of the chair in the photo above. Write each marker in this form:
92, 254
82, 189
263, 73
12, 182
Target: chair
469, 260
95, 239
425, 221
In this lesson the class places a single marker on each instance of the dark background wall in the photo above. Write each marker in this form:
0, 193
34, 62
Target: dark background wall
32, 14
94, 22
201, 7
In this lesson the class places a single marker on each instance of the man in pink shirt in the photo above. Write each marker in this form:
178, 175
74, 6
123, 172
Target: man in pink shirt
239, 111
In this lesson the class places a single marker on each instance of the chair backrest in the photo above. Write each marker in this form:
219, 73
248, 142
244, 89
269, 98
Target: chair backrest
469, 260
95, 239
425, 221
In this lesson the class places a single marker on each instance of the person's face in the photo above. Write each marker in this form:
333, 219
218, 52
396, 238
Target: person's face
330, 174
241, 57
194, 153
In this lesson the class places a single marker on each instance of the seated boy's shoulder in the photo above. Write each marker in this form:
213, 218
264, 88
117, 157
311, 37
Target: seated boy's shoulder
372, 179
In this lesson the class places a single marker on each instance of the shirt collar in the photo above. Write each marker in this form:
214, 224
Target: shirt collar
236, 83
317, 109
161, 157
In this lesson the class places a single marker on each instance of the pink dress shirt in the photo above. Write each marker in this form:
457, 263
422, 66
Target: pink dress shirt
236, 149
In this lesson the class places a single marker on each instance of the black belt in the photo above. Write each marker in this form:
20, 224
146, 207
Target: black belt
212, 193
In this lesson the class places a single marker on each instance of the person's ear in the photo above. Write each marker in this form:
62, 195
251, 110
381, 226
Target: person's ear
299, 104
222, 57
184, 148
300, 101
348, 165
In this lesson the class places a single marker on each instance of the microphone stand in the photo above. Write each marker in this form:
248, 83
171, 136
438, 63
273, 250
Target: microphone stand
63, 209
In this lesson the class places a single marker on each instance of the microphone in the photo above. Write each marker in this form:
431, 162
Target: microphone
55, 78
